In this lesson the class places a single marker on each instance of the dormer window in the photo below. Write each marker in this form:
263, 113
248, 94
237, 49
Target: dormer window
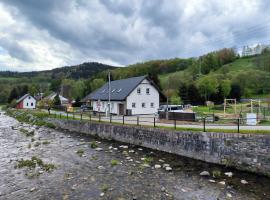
113, 90
138, 90
119, 90
147, 90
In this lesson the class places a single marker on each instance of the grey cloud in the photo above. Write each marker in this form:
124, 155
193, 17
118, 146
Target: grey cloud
16, 50
136, 30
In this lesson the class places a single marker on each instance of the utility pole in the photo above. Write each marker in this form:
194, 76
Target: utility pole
109, 95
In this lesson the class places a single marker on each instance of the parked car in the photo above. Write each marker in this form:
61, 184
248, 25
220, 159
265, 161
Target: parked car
85, 108
171, 108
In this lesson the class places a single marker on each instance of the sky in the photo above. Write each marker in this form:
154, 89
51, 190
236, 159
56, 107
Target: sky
45, 34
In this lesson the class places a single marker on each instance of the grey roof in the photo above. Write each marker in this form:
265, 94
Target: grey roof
120, 89
23, 97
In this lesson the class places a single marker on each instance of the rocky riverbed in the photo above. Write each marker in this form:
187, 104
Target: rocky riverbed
43, 163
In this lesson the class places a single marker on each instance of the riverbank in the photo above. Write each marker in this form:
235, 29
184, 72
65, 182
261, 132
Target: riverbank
248, 152
87, 167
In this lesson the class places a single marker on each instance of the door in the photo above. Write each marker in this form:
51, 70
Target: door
121, 109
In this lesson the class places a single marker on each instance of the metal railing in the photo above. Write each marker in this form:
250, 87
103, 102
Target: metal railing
202, 124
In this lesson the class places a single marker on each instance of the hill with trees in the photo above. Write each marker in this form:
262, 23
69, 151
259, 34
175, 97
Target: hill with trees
213, 76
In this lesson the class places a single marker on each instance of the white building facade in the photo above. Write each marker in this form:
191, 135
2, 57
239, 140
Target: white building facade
26, 102
134, 96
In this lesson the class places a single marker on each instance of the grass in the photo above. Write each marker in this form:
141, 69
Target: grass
114, 162
27, 133
80, 152
93, 145
33, 163
46, 142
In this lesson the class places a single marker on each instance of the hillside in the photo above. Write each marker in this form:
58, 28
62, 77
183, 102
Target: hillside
214, 76
85, 70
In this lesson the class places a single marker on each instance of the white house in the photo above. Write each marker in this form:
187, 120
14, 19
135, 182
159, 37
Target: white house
63, 100
133, 96
26, 102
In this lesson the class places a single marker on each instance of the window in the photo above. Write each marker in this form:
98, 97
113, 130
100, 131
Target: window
103, 104
27, 104
147, 90
32, 104
29, 97
133, 105
152, 105
138, 90
143, 105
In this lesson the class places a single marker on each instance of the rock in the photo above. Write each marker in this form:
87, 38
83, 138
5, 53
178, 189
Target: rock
212, 181
160, 160
205, 173
124, 146
222, 183
98, 149
183, 190
229, 174
157, 166
163, 189
41, 172
128, 158
142, 159
146, 165
244, 182
131, 151
101, 167
101, 194
166, 165
115, 149
229, 195
32, 189
140, 149
168, 169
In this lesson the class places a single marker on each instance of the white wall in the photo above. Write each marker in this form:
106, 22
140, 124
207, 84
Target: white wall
104, 106
138, 99
29, 102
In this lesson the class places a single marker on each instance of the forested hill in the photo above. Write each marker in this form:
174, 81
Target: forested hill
213, 76
85, 70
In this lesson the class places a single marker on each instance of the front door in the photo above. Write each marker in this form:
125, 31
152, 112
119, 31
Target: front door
121, 109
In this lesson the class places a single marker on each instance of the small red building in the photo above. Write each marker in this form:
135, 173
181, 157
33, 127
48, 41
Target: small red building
26, 102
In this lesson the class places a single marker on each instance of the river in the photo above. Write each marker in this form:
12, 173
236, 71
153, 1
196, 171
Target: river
111, 170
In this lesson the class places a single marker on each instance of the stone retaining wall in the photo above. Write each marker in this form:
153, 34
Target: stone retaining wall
249, 152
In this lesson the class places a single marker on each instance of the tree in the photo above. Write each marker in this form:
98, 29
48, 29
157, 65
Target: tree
56, 100
55, 85
175, 99
14, 94
97, 83
225, 88
207, 86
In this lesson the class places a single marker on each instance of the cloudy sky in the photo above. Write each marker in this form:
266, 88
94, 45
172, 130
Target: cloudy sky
45, 34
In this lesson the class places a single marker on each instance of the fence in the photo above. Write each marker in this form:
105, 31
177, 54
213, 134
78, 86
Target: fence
202, 124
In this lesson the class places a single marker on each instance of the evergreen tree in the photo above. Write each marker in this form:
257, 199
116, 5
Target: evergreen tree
56, 100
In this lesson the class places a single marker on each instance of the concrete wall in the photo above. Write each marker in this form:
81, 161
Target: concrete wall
249, 152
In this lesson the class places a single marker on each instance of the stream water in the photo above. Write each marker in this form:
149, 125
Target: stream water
111, 171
